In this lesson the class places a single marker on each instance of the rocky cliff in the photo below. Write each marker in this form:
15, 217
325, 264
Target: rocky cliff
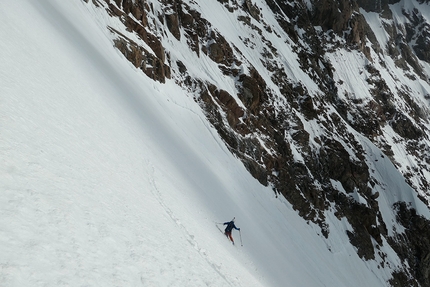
302, 90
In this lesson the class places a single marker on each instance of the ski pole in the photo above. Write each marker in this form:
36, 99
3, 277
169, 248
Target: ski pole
240, 235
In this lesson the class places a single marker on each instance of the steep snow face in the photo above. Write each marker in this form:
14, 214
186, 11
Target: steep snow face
109, 178
97, 173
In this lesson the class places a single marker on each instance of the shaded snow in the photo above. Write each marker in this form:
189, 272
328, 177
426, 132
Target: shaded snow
111, 179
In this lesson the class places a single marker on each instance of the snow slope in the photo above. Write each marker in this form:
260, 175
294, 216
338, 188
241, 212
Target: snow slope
110, 179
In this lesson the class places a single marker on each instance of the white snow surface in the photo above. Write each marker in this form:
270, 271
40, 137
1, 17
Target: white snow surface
110, 179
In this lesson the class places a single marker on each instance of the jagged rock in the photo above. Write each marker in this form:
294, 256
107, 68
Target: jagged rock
333, 15
372, 5
414, 245
173, 25
233, 110
307, 107
252, 90
403, 126
135, 8
252, 9
219, 49
152, 66
156, 46
182, 67
193, 25
216, 52
250, 95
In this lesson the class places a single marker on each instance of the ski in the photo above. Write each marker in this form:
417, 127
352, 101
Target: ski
219, 229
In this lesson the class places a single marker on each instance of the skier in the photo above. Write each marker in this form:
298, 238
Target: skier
229, 228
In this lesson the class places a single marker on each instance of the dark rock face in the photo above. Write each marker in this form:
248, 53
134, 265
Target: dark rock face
333, 14
268, 128
420, 35
413, 245
153, 66
372, 6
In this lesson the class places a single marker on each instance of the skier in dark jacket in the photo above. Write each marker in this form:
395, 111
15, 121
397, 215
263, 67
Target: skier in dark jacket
229, 228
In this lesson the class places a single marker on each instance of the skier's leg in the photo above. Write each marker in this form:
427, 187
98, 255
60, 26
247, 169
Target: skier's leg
231, 238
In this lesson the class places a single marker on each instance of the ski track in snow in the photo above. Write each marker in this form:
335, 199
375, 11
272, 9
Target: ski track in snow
189, 237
